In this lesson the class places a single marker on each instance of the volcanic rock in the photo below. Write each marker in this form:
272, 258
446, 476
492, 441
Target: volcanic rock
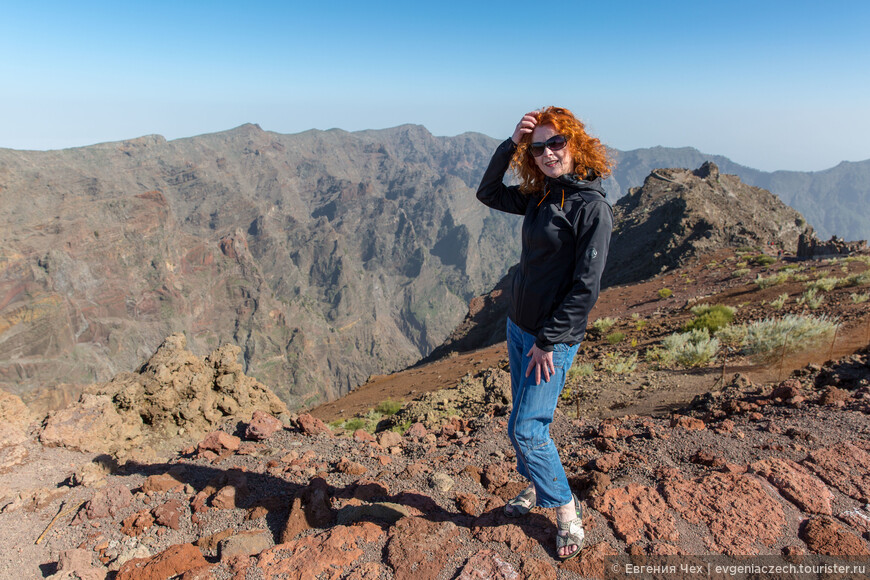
175, 394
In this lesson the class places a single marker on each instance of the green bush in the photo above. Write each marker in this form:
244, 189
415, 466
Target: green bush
774, 280
780, 301
665, 293
709, 317
354, 423
825, 284
793, 332
581, 370
602, 325
615, 337
619, 365
861, 279
762, 260
739, 272
690, 349
859, 298
388, 407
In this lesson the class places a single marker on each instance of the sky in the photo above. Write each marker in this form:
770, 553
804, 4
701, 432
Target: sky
770, 84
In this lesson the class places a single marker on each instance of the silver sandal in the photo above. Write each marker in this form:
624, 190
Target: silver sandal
521, 504
575, 536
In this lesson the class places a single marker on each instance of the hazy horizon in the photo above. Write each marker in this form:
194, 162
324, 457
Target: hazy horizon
773, 86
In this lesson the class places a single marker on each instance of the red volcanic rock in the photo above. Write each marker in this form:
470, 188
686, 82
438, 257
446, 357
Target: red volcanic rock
173, 561
168, 514
137, 523
351, 467
419, 548
234, 489
468, 503
593, 562
368, 490
735, 508
296, 521
387, 439
607, 431
487, 564
687, 423
823, 535
844, 467
708, 459
473, 472
834, 396
636, 512
76, 564
787, 390
416, 431
607, 463
538, 569
262, 426
312, 426
512, 535
495, 475
796, 484
218, 442
108, 502
160, 483
245, 543
324, 555
363, 436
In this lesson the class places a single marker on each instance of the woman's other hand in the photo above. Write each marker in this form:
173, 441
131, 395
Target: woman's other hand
525, 126
542, 363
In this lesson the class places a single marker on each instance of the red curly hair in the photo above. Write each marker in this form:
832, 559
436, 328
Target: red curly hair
588, 152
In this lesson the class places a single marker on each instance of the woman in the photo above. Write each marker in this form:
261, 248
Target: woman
565, 237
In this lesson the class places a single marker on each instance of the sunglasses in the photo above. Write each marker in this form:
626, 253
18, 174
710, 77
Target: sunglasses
553, 144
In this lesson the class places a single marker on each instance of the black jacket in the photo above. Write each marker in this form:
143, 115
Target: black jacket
566, 236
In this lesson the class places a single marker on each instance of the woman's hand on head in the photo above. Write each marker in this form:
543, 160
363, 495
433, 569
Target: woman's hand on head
541, 363
525, 126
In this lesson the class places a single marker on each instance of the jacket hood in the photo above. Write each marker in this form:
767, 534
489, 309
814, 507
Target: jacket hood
572, 182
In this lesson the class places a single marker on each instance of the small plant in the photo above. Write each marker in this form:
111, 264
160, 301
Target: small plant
801, 277
863, 259
633, 343
620, 365
774, 280
791, 268
825, 284
602, 325
665, 293
740, 272
689, 349
566, 393
615, 337
811, 298
388, 407
711, 318
581, 370
861, 279
780, 301
641, 324
762, 260
859, 298
791, 332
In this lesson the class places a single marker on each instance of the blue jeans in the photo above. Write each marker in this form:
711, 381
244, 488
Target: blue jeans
531, 415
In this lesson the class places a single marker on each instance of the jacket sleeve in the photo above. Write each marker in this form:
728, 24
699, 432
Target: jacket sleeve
592, 243
492, 190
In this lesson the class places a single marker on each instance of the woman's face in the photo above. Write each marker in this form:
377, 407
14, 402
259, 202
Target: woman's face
552, 163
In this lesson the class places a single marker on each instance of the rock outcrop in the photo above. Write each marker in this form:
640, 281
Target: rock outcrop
174, 395
678, 214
